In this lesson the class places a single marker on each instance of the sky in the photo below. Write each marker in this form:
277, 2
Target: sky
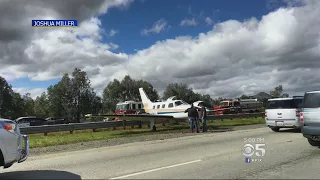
224, 48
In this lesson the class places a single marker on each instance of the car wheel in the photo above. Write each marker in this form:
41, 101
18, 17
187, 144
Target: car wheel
313, 142
275, 129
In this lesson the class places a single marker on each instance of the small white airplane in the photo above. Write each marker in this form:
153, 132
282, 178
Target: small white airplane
170, 107
197, 105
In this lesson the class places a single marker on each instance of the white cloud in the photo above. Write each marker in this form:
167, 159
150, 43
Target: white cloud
157, 27
34, 92
113, 32
208, 21
231, 59
188, 22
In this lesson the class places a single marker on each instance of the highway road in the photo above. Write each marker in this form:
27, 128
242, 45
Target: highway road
203, 156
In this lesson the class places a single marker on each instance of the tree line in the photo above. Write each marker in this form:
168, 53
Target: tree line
73, 97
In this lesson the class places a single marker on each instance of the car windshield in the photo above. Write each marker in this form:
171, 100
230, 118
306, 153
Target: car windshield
311, 100
224, 104
284, 104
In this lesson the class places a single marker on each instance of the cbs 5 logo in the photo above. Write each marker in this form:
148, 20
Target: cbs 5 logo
258, 149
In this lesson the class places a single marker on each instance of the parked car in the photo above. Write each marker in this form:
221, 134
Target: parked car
283, 113
57, 120
14, 147
32, 121
310, 117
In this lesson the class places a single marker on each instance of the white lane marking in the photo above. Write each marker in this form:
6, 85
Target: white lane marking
157, 169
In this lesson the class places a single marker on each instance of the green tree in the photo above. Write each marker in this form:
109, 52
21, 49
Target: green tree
28, 105
111, 95
80, 89
278, 92
6, 99
92, 104
217, 101
148, 88
41, 105
207, 100
181, 91
73, 97
244, 97
17, 106
127, 89
54, 95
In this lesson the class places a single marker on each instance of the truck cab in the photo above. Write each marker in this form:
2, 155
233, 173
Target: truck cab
129, 107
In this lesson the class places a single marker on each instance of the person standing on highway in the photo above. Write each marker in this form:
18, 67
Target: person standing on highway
193, 115
203, 116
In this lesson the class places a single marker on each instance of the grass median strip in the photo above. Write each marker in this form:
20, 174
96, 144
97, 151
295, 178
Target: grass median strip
61, 138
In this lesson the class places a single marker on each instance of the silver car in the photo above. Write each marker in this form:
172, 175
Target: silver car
310, 117
14, 147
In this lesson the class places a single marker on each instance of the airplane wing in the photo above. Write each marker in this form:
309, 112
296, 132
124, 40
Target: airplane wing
132, 117
153, 119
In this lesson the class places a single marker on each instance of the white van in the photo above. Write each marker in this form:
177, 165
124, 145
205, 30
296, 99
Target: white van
283, 113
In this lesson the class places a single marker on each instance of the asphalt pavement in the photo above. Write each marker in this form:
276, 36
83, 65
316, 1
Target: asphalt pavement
288, 155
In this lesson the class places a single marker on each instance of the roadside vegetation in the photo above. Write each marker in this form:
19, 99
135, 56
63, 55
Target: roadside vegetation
73, 97
53, 139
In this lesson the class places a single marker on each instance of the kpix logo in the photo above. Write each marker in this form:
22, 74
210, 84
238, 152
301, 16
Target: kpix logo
258, 150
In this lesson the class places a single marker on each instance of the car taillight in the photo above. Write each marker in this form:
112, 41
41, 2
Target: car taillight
265, 114
9, 127
301, 117
297, 113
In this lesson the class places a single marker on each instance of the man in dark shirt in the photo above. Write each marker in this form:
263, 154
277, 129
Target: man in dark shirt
202, 116
193, 115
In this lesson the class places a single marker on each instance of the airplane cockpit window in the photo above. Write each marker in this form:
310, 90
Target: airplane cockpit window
178, 103
183, 102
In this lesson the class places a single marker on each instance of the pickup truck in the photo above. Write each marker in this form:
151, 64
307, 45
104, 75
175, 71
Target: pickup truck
14, 147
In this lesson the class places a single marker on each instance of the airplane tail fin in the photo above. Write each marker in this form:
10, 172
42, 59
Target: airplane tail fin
145, 99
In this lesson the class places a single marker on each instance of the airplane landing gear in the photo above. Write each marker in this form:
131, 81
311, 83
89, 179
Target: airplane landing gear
152, 125
154, 128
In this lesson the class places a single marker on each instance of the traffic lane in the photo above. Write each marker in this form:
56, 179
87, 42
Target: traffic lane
137, 157
287, 157
136, 149
143, 148
306, 167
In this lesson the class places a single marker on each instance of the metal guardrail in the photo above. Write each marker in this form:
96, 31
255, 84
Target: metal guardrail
113, 124
235, 116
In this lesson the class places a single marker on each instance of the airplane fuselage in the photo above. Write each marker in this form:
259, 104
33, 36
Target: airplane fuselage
175, 108
170, 107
